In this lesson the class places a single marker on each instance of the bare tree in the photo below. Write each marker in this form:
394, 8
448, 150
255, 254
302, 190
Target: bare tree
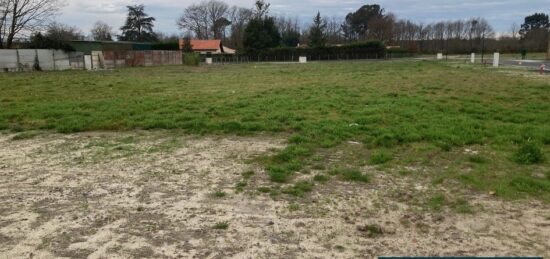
62, 32
24, 16
239, 18
102, 32
195, 19
217, 17
206, 20
514, 30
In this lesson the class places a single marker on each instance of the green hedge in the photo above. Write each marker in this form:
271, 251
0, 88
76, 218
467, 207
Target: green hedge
170, 45
370, 47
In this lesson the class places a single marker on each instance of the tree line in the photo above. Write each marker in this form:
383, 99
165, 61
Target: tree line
254, 29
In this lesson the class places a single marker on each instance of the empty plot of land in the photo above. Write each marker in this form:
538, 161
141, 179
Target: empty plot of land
329, 159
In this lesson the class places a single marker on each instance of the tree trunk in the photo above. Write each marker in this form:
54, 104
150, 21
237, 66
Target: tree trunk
548, 51
11, 33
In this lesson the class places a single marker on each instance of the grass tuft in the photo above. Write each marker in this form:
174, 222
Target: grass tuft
379, 157
529, 153
221, 225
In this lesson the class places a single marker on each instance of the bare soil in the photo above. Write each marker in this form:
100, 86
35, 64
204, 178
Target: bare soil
151, 195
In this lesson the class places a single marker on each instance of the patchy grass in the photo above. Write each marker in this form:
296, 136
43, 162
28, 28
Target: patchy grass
350, 175
388, 107
299, 189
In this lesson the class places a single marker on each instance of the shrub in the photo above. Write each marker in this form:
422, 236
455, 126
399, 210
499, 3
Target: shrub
529, 153
191, 59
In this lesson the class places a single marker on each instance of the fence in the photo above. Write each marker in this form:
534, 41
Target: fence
296, 58
114, 59
44, 59
14, 60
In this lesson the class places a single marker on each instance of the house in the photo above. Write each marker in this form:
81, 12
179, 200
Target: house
208, 46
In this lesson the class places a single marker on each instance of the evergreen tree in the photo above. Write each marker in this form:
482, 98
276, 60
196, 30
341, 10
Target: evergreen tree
317, 32
139, 26
261, 33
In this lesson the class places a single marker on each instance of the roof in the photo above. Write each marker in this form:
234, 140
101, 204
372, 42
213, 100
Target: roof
204, 44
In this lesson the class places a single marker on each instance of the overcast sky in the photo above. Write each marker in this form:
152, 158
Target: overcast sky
500, 13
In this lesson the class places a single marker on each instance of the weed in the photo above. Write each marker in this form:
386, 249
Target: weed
25, 135
436, 202
294, 207
478, 159
379, 157
240, 186
350, 175
219, 194
462, 206
221, 225
529, 153
248, 174
299, 189
264, 189
321, 178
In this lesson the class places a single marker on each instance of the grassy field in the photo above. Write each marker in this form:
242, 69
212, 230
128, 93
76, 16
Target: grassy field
462, 127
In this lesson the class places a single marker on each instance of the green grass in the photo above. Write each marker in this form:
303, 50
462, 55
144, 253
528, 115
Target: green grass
389, 106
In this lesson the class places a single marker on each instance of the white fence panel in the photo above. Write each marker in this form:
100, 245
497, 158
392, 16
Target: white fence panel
12, 60
8, 60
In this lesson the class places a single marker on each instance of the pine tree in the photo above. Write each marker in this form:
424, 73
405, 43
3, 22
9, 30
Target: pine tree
317, 32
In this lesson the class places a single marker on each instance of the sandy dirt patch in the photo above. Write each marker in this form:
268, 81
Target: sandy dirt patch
153, 195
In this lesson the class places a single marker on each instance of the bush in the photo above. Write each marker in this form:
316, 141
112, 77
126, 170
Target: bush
529, 153
191, 59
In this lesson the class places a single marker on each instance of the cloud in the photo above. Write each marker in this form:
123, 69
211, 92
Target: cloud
500, 13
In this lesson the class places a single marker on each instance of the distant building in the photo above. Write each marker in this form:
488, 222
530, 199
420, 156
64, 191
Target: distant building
88, 46
208, 46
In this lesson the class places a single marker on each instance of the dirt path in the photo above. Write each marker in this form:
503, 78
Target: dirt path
153, 194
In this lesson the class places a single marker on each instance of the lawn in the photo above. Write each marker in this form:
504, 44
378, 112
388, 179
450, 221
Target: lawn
466, 127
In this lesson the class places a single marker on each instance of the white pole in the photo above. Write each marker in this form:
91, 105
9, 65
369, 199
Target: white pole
473, 58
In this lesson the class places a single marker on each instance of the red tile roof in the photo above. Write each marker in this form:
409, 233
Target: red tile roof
204, 44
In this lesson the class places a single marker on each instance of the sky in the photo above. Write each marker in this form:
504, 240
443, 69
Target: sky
501, 14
